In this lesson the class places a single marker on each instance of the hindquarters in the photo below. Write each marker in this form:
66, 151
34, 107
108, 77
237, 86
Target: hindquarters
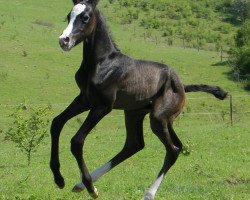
170, 103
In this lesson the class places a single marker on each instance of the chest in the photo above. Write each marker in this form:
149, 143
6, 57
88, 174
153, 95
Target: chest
100, 83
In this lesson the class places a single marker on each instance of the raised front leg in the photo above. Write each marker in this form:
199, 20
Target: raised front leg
94, 116
78, 106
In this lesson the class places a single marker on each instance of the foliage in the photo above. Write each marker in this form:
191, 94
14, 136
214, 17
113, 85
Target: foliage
128, 16
185, 19
241, 9
242, 37
241, 60
187, 148
240, 54
28, 129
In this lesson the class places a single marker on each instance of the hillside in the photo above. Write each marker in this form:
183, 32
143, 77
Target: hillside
194, 24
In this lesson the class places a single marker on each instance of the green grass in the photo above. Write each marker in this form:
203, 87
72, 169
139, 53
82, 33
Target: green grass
34, 69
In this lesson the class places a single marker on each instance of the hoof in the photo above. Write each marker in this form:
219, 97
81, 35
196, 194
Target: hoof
78, 187
59, 180
148, 196
95, 194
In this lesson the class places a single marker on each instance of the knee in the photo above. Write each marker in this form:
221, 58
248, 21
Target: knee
137, 147
56, 125
140, 146
134, 147
56, 121
76, 147
174, 153
176, 148
54, 166
156, 125
179, 147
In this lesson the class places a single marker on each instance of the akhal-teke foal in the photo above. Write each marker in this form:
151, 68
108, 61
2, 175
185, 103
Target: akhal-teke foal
110, 80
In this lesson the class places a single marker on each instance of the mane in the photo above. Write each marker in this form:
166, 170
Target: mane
115, 45
105, 26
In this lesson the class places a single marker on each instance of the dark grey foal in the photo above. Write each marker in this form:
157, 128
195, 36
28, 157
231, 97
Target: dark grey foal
110, 80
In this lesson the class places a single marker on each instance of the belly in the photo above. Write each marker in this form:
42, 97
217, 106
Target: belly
127, 101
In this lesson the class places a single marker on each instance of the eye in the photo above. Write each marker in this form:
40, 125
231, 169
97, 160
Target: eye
85, 18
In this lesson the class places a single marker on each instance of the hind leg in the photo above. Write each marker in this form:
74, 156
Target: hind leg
175, 139
162, 128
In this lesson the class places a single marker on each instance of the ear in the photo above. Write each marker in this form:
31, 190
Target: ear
93, 2
76, 1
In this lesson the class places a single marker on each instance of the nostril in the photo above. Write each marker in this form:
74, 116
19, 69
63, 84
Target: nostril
66, 40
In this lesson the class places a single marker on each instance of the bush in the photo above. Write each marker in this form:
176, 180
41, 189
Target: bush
172, 14
28, 129
241, 60
150, 23
170, 41
242, 37
168, 32
240, 9
240, 54
225, 29
193, 22
143, 5
125, 3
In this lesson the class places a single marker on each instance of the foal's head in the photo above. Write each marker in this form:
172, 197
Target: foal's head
81, 23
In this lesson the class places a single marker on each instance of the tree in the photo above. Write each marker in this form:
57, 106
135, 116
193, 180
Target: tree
242, 37
241, 9
28, 129
240, 54
242, 61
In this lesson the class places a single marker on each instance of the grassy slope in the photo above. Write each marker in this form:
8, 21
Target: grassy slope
217, 167
202, 21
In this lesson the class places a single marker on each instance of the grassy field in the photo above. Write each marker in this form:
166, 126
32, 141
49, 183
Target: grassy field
34, 69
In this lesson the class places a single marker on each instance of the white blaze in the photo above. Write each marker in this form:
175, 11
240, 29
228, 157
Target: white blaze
77, 9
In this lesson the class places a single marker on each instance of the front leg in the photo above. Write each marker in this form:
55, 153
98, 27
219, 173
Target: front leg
79, 105
94, 116
134, 143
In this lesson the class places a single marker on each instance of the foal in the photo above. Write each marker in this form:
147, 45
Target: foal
110, 80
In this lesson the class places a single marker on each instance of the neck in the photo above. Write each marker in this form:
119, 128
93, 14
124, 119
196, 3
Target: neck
99, 44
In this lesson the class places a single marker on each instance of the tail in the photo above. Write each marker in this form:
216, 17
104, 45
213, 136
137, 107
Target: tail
215, 90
